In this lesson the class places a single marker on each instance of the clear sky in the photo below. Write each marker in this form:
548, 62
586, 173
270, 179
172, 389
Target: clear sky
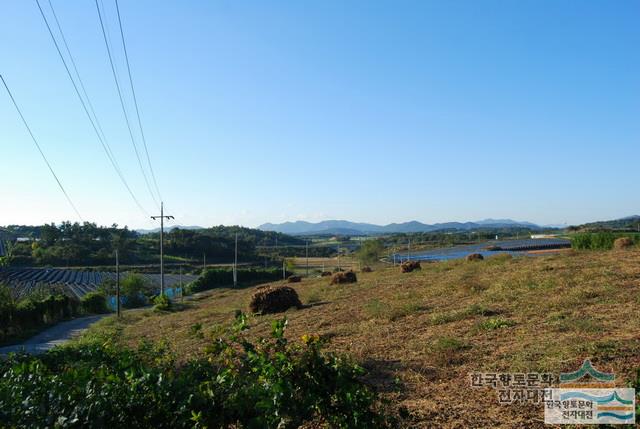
266, 111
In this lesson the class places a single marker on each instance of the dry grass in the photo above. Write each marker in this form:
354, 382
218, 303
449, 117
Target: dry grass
420, 335
622, 243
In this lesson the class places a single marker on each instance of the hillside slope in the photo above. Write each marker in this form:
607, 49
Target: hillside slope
421, 334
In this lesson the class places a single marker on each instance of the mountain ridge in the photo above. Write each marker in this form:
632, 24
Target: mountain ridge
353, 228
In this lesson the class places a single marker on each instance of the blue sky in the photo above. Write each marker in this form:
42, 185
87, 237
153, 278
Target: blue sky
382, 112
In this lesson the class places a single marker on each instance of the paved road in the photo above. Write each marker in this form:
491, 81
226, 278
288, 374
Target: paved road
54, 336
64, 331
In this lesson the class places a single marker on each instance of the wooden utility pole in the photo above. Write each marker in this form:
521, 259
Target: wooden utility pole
284, 269
306, 250
235, 264
162, 218
117, 285
181, 287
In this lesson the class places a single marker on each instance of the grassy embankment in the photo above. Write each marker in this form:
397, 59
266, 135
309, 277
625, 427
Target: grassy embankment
421, 334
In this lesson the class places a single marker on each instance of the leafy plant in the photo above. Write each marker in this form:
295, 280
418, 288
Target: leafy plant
219, 277
162, 303
495, 323
600, 240
266, 383
94, 303
134, 289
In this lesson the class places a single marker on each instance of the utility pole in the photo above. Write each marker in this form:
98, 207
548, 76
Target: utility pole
117, 285
307, 255
235, 264
409, 251
284, 270
181, 287
162, 218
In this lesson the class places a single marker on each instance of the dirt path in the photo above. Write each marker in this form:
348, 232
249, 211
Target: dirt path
54, 336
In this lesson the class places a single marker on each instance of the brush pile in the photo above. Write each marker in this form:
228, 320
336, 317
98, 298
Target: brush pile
475, 257
366, 269
294, 279
274, 299
325, 274
343, 277
409, 266
622, 243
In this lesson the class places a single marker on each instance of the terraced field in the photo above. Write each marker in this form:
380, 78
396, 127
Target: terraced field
71, 282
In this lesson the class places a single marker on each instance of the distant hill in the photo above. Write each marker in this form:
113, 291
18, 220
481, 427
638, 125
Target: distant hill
625, 223
344, 227
168, 229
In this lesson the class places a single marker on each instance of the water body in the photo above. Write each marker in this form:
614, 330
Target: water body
512, 247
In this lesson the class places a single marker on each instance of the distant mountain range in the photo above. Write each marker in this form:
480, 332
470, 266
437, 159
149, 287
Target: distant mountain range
625, 223
167, 229
343, 227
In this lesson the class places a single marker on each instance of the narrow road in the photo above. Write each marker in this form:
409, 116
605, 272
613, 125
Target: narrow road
54, 336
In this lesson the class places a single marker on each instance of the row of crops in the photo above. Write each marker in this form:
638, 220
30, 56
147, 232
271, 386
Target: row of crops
77, 283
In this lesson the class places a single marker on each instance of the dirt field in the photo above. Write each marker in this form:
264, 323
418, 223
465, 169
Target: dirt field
328, 264
421, 334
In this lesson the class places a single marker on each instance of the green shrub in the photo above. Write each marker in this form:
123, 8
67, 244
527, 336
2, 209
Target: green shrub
94, 303
220, 277
268, 383
162, 303
135, 289
600, 240
33, 312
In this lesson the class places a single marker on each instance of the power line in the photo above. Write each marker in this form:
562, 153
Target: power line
24, 121
75, 68
124, 110
103, 142
135, 102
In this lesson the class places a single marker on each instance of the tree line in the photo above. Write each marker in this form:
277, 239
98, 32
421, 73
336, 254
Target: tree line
87, 244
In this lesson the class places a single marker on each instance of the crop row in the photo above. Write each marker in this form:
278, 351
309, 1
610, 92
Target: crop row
74, 282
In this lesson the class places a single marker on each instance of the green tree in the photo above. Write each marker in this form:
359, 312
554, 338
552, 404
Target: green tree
370, 251
134, 288
49, 234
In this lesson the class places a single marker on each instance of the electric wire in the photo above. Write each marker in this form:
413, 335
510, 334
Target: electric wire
135, 102
75, 68
124, 110
53, 173
104, 143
